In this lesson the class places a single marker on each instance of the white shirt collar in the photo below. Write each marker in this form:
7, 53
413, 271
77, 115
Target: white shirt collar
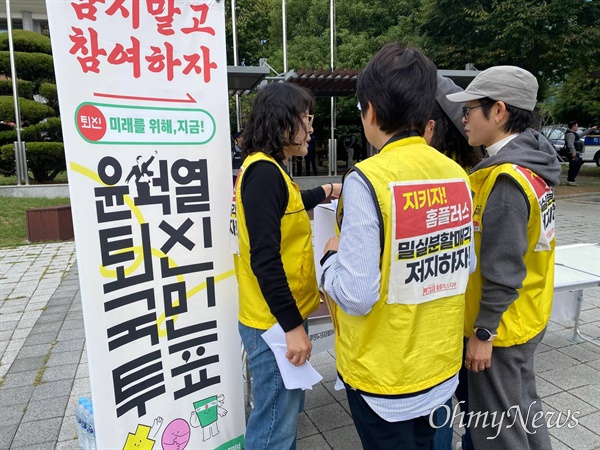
495, 148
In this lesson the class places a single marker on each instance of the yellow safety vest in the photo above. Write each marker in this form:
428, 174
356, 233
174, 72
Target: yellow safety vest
296, 254
528, 315
411, 340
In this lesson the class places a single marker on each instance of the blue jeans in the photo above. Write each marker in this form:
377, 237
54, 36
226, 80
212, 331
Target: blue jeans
273, 421
442, 440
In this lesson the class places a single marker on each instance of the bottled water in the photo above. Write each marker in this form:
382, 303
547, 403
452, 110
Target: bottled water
91, 431
85, 425
81, 427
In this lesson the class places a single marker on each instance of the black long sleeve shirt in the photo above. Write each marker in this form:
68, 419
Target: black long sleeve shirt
265, 197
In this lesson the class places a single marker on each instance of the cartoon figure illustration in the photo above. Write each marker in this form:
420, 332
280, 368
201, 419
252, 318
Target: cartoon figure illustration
176, 436
142, 175
143, 437
205, 415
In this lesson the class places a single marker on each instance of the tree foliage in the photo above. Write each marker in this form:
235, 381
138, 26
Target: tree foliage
547, 37
550, 38
45, 160
40, 130
578, 99
50, 93
36, 67
27, 41
252, 23
31, 111
25, 88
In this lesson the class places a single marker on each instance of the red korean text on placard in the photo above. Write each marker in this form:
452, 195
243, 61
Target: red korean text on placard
119, 6
195, 58
160, 61
88, 47
122, 55
198, 21
86, 9
163, 11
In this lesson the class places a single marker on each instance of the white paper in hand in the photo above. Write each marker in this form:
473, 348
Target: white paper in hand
294, 377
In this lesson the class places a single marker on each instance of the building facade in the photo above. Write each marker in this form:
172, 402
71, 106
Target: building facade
26, 15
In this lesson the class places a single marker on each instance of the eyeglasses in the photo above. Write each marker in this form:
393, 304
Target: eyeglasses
467, 109
310, 118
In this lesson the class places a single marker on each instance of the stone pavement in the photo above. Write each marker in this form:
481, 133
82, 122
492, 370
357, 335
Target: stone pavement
43, 365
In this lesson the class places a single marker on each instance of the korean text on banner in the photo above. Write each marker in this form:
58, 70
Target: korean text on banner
143, 98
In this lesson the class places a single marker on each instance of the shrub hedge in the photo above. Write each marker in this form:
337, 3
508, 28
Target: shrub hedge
27, 41
45, 160
31, 111
25, 88
49, 92
29, 66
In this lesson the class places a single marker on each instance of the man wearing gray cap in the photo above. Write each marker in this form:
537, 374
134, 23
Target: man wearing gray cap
509, 296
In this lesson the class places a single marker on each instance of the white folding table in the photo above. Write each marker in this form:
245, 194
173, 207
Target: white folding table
577, 267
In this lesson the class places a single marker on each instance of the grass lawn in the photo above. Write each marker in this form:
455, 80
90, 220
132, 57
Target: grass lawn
61, 178
13, 224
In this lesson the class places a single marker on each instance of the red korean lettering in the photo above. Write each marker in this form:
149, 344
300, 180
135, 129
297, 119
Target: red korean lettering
122, 55
163, 11
198, 21
194, 60
118, 6
86, 9
159, 61
90, 61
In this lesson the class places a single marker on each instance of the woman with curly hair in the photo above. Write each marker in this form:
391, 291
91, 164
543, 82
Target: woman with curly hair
275, 264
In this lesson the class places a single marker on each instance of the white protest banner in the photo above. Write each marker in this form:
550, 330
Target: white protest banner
143, 99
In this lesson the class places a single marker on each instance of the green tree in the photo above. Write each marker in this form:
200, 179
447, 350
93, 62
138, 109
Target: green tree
549, 38
33, 60
578, 99
252, 26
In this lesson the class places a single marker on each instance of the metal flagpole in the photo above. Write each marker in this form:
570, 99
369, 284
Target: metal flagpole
290, 164
283, 14
238, 111
333, 146
20, 157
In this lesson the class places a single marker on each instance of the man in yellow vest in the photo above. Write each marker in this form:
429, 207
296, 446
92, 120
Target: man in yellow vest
399, 270
509, 296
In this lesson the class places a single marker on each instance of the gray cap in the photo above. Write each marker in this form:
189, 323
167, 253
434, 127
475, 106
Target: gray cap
509, 84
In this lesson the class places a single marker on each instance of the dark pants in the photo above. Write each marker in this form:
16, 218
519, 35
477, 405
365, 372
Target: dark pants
509, 383
310, 160
378, 434
462, 395
574, 166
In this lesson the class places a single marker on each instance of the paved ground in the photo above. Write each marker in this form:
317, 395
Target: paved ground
43, 365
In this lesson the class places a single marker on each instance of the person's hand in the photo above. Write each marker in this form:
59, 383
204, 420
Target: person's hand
332, 244
298, 346
336, 191
479, 355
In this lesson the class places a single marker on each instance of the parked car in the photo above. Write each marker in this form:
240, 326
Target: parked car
556, 136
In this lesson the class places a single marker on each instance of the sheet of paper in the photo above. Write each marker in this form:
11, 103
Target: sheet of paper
323, 229
294, 377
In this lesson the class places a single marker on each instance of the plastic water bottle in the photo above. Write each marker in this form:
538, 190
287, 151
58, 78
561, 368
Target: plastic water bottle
91, 430
85, 424
81, 427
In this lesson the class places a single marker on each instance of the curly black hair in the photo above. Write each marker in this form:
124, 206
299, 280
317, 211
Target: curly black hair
448, 140
275, 118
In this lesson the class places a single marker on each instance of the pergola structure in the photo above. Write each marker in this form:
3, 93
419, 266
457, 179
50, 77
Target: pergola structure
342, 83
